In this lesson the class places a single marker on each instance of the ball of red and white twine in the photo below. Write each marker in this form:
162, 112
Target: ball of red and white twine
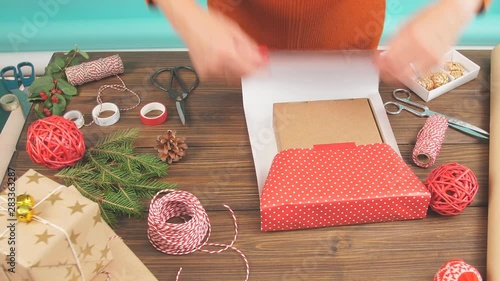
457, 270
429, 141
94, 70
190, 236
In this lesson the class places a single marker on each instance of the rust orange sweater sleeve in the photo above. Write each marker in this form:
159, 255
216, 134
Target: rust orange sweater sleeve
308, 24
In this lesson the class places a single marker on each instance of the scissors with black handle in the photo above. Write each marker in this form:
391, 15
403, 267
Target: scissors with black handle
186, 88
19, 79
404, 96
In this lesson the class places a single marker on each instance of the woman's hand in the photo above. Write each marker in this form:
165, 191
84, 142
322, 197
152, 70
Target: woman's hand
426, 38
219, 47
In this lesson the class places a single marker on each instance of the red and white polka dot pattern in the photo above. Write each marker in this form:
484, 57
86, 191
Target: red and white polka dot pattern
308, 188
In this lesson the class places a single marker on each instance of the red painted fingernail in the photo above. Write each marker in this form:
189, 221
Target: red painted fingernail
264, 52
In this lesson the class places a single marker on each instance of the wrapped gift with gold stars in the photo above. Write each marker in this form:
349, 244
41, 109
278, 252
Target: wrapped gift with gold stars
50, 232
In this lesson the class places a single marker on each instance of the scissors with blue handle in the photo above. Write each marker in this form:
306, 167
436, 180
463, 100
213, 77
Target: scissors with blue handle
19, 79
404, 96
175, 77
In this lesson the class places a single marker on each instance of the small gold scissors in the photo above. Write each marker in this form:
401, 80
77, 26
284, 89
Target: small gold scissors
404, 96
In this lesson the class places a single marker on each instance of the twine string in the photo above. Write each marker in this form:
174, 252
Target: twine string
429, 141
191, 235
122, 88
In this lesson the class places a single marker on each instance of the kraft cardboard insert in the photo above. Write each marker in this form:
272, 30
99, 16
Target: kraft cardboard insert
304, 124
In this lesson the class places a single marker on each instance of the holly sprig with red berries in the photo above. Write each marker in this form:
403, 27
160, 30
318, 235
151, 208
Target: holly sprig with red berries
51, 91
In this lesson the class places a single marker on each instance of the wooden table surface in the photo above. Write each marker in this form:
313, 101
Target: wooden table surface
218, 169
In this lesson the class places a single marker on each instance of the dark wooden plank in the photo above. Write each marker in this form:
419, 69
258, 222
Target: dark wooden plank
408, 250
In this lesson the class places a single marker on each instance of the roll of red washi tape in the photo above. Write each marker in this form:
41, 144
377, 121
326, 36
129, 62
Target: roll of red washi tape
156, 120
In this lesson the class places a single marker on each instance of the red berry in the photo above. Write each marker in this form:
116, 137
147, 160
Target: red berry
43, 95
58, 91
47, 112
55, 99
53, 91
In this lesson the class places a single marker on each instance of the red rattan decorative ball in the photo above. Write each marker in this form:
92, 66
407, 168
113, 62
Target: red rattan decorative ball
457, 270
452, 187
55, 142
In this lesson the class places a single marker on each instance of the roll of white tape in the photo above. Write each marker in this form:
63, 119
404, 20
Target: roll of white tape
75, 116
106, 121
9, 102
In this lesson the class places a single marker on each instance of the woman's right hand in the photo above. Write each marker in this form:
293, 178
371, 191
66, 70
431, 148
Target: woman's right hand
218, 47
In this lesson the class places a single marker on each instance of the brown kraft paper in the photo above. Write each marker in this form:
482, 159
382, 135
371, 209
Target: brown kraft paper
493, 255
42, 252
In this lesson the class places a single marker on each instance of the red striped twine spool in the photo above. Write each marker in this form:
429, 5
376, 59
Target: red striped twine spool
94, 70
429, 141
190, 236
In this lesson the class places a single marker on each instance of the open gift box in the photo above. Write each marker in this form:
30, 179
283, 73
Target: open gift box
469, 72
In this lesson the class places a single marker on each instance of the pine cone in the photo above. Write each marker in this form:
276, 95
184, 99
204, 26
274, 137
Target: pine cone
171, 148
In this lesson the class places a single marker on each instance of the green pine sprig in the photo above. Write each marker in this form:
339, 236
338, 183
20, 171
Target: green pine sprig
115, 177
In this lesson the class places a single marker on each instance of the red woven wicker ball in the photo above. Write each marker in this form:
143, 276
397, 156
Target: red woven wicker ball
457, 270
452, 187
55, 142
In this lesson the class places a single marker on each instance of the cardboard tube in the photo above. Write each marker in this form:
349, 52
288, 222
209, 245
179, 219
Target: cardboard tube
493, 255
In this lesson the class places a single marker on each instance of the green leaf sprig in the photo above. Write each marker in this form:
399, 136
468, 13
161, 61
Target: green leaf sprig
51, 91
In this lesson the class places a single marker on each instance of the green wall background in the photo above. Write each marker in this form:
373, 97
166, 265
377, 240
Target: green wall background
57, 25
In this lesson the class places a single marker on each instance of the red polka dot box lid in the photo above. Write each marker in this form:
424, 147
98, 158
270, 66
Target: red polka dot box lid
340, 184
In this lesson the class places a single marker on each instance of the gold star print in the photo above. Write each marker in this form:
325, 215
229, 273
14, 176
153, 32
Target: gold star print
87, 251
69, 270
54, 198
44, 237
73, 237
75, 277
34, 178
97, 218
77, 208
98, 267
104, 252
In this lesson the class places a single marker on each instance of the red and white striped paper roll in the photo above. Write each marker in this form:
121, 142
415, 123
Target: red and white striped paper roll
94, 70
429, 141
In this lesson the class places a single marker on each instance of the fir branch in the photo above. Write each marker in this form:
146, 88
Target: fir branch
108, 215
122, 205
93, 194
148, 188
116, 138
147, 162
115, 178
108, 174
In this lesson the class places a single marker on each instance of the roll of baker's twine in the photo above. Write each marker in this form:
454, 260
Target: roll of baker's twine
429, 141
94, 70
187, 237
